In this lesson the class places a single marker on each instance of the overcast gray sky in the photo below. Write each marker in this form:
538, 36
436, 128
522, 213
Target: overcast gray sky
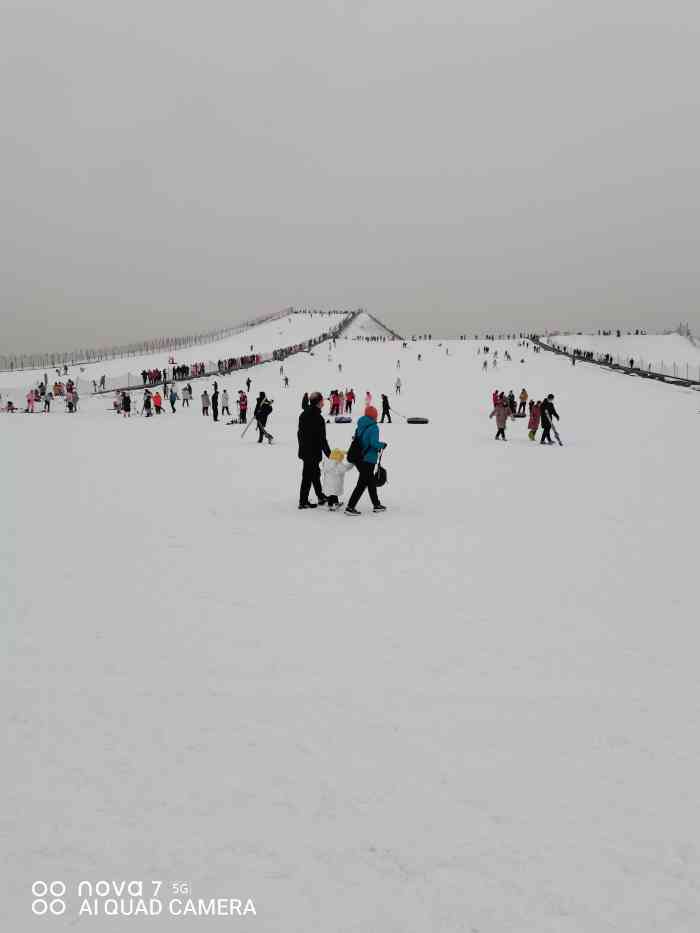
451, 165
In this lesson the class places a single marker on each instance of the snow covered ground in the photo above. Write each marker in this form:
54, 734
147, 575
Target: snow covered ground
478, 711
662, 351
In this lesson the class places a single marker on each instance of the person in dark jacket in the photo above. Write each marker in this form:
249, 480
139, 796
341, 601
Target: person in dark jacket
547, 412
386, 411
215, 403
263, 410
312, 445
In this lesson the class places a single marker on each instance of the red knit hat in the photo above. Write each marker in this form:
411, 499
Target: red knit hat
371, 412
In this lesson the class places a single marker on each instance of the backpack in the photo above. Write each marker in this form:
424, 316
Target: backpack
356, 451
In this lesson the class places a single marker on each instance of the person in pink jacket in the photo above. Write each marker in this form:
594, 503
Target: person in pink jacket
534, 422
502, 413
494, 397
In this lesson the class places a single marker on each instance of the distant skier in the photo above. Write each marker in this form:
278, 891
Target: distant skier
286, 382
397, 385
247, 382
485, 365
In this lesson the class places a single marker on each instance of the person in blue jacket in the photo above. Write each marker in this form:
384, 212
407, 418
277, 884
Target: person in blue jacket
368, 434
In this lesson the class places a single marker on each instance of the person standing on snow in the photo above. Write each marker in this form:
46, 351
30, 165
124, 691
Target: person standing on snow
247, 382
368, 436
534, 422
311, 435
242, 407
547, 412
523, 402
204, 397
349, 400
502, 413
215, 403
386, 411
224, 404
397, 385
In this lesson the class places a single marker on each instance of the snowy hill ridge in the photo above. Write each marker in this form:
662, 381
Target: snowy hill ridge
366, 325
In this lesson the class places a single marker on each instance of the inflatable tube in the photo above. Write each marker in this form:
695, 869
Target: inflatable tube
416, 421
342, 419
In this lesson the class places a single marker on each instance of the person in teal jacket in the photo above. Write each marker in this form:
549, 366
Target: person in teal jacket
368, 433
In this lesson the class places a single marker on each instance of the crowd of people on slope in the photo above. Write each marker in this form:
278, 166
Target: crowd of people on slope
313, 447
44, 395
540, 413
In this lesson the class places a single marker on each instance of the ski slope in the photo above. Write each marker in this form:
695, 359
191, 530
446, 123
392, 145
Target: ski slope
477, 711
659, 350
271, 335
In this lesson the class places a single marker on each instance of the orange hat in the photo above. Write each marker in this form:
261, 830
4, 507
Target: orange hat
371, 412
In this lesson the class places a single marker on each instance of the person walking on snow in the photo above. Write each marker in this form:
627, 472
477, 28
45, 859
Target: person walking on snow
386, 411
334, 470
173, 397
158, 402
311, 435
263, 410
502, 413
534, 422
368, 437
547, 412
204, 397
397, 385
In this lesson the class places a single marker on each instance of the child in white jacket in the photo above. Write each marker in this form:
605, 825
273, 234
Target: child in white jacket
334, 470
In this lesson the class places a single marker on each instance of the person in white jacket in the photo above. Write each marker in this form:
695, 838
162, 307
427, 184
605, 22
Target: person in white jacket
334, 470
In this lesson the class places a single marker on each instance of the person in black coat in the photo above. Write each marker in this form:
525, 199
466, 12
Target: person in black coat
312, 445
263, 410
547, 412
386, 410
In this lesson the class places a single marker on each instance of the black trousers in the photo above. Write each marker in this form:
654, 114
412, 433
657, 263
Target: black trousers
225, 410
310, 476
385, 414
501, 433
215, 412
364, 481
546, 428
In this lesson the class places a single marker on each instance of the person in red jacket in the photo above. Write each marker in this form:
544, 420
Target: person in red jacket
242, 406
534, 422
349, 399
157, 402
494, 397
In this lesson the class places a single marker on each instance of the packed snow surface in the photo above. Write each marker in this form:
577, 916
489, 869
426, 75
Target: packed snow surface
478, 711
365, 325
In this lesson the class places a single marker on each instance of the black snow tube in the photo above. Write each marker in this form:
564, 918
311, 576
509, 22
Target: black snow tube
342, 419
416, 421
